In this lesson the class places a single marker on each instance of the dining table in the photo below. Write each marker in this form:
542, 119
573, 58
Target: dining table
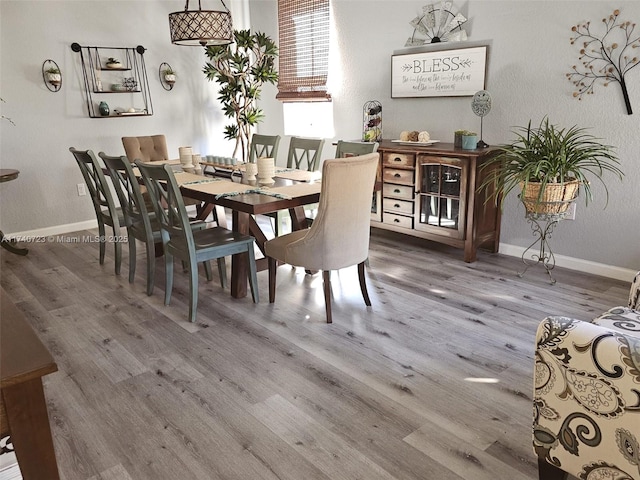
290, 189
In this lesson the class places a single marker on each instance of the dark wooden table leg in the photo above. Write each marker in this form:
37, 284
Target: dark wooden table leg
28, 421
239, 268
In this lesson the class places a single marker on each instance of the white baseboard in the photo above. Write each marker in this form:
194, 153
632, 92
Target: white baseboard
56, 230
586, 266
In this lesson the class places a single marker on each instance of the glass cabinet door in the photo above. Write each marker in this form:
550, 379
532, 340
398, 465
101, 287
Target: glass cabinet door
441, 185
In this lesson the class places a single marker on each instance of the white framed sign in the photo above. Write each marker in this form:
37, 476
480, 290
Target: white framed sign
445, 73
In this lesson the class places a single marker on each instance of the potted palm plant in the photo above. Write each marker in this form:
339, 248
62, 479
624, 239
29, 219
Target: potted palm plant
549, 164
241, 69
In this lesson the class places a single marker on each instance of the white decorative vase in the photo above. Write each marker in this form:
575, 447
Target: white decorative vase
186, 157
251, 169
266, 169
196, 159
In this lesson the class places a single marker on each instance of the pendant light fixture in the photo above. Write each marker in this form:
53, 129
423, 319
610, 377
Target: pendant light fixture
201, 27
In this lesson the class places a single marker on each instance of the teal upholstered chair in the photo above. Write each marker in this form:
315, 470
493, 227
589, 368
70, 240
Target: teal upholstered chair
179, 240
107, 213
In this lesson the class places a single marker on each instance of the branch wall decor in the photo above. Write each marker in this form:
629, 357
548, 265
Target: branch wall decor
607, 57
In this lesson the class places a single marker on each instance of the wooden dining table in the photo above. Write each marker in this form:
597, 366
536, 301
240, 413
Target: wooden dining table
291, 190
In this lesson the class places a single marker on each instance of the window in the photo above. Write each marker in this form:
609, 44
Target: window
304, 50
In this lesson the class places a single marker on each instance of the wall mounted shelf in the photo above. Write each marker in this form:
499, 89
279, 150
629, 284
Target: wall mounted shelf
133, 80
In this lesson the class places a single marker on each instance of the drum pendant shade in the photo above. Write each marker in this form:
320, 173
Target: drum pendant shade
201, 27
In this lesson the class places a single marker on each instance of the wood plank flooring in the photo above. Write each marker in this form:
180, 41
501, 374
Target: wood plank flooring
434, 381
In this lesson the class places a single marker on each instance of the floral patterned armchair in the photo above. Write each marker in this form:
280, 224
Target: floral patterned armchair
586, 404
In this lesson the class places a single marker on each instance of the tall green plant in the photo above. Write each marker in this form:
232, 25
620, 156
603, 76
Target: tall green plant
551, 154
241, 69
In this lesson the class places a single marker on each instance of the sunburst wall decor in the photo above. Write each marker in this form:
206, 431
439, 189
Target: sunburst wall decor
437, 23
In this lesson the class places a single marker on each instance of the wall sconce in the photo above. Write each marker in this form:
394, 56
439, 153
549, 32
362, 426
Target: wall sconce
167, 76
51, 75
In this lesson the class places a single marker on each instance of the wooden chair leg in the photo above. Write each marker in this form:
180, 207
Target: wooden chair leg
132, 257
273, 266
151, 267
222, 271
117, 246
363, 284
326, 280
193, 290
546, 471
168, 278
103, 242
207, 270
253, 274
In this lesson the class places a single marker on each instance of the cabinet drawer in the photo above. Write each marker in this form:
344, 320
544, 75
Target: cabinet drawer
397, 220
397, 206
402, 159
403, 177
397, 191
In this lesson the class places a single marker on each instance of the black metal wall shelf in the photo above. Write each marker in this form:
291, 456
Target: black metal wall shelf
136, 83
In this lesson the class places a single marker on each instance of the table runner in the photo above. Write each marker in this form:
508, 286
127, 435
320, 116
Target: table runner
226, 188
297, 175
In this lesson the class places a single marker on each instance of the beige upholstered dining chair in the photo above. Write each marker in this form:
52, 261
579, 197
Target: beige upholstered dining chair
339, 236
151, 148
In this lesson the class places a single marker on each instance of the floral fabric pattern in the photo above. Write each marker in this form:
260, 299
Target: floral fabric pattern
586, 404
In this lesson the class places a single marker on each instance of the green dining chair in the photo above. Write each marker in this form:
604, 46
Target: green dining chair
107, 213
263, 146
179, 240
141, 224
346, 149
304, 153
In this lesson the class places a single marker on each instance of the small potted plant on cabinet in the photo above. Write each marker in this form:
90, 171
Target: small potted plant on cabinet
548, 164
53, 75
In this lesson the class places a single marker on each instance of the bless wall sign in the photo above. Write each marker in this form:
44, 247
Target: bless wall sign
447, 73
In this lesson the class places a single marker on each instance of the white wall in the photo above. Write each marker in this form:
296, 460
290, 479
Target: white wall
530, 53
47, 123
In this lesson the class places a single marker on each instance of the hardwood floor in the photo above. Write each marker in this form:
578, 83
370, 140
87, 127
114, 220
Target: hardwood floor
434, 381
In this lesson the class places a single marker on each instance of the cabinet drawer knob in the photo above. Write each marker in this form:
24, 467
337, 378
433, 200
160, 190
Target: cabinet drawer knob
396, 220
396, 190
397, 159
397, 175
397, 205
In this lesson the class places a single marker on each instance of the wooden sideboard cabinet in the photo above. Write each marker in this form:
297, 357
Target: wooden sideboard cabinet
432, 192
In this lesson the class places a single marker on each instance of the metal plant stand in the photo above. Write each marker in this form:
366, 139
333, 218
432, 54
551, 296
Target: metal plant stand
542, 226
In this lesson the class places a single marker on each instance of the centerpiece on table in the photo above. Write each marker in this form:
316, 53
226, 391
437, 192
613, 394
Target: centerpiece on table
548, 164
241, 69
